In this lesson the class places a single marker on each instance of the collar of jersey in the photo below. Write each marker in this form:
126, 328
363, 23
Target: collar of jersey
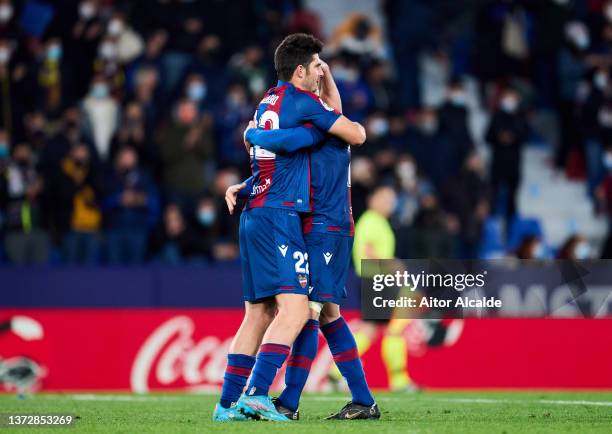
283, 83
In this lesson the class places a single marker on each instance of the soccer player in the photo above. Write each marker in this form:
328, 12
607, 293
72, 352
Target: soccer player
273, 254
328, 233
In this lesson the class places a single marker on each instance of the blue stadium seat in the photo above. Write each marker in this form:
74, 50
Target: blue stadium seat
492, 244
521, 228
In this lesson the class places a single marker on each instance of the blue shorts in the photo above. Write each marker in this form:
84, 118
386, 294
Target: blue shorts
273, 254
330, 257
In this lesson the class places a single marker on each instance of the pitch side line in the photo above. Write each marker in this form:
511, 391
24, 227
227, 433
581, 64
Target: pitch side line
145, 398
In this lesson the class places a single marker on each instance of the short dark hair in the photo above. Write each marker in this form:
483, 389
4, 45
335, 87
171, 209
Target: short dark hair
296, 49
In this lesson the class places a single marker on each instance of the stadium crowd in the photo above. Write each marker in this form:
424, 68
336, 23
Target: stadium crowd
121, 122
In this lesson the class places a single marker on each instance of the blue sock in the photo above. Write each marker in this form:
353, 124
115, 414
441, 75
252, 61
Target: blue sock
298, 365
236, 374
344, 349
269, 359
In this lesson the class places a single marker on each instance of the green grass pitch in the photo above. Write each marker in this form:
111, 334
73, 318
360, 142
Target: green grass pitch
425, 412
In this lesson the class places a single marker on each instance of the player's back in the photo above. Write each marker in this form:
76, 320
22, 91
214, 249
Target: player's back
280, 180
331, 188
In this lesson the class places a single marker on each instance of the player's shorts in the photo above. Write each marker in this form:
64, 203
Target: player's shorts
329, 256
273, 254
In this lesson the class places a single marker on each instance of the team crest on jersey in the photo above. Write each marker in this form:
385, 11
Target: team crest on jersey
328, 108
303, 280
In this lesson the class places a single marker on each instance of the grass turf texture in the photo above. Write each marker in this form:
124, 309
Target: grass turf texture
426, 412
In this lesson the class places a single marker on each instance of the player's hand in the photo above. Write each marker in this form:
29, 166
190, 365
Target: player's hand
247, 144
230, 196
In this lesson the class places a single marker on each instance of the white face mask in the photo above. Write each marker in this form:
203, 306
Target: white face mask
457, 97
5, 55
379, 127
115, 27
608, 13
605, 118
607, 160
582, 251
601, 80
6, 13
87, 10
108, 51
509, 104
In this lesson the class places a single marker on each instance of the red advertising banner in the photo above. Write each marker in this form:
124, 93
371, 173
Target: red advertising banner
145, 350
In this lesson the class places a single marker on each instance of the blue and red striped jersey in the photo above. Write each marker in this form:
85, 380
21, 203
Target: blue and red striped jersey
283, 180
330, 178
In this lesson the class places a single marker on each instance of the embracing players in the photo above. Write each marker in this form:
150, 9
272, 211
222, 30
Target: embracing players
273, 251
328, 232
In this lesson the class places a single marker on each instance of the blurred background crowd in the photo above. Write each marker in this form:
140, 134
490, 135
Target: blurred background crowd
121, 123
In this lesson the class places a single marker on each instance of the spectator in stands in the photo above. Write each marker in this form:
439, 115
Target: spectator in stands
146, 82
25, 241
176, 241
576, 247
186, 145
230, 121
129, 44
355, 91
466, 198
453, 121
196, 90
506, 134
54, 79
604, 196
78, 199
225, 247
133, 133
358, 36
130, 209
531, 247
433, 229
248, 67
102, 114
363, 180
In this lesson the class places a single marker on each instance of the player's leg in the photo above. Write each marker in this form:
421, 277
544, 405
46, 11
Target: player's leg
258, 316
303, 352
344, 350
395, 354
282, 272
243, 349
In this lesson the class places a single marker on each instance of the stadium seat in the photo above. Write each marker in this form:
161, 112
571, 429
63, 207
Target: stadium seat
521, 228
492, 244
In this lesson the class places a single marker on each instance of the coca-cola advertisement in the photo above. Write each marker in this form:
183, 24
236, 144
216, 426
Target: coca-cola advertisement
143, 350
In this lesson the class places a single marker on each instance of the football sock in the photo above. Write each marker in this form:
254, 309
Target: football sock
298, 365
236, 374
394, 354
344, 349
269, 359
363, 344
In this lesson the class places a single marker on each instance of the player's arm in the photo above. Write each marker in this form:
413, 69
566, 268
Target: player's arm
351, 132
284, 140
314, 110
237, 190
329, 91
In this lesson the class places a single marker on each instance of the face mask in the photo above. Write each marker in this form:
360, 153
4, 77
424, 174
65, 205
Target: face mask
429, 126
115, 27
539, 252
108, 51
582, 41
87, 10
405, 170
509, 104
206, 216
605, 118
6, 13
379, 127
5, 56
234, 100
54, 52
582, 251
4, 150
608, 13
607, 160
601, 80
197, 91
457, 98
99, 90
